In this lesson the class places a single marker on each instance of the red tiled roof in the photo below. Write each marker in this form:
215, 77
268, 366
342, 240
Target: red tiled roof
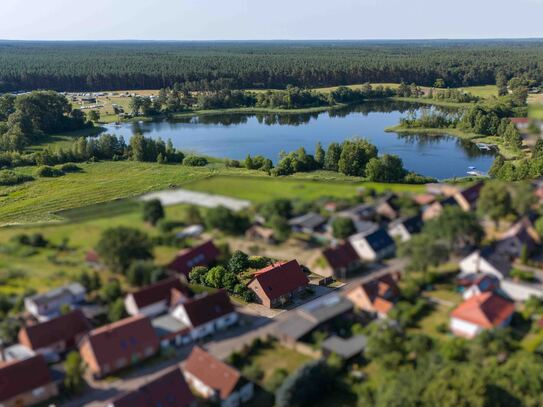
122, 339
381, 291
340, 256
159, 291
424, 199
202, 255
212, 372
487, 310
281, 278
208, 307
22, 376
519, 120
382, 306
92, 257
169, 390
64, 328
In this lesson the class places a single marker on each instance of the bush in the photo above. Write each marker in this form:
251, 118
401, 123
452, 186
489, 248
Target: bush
253, 372
8, 177
70, 167
48, 172
195, 161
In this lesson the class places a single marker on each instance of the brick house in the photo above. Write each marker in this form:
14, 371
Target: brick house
26, 382
215, 380
55, 336
201, 255
376, 295
276, 284
119, 345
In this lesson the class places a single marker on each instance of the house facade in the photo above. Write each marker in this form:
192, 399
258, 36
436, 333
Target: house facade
278, 283
155, 299
205, 314
56, 336
215, 380
480, 312
374, 246
118, 345
47, 305
26, 382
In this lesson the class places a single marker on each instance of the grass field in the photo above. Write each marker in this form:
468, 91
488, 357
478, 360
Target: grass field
485, 91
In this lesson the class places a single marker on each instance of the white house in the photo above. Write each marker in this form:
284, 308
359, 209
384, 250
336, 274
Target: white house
215, 380
155, 299
480, 312
485, 261
405, 228
373, 246
206, 314
47, 305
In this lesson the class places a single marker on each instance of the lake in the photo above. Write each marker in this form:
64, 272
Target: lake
236, 135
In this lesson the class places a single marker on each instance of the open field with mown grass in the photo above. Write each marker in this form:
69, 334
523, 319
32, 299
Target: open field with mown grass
41, 200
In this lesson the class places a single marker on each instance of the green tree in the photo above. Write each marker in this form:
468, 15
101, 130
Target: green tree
355, 154
153, 211
74, 367
319, 156
111, 291
331, 159
388, 168
198, 275
281, 228
494, 201
116, 311
214, 277
455, 228
224, 219
342, 228
523, 197
439, 83
118, 247
192, 215
423, 252
239, 262
94, 115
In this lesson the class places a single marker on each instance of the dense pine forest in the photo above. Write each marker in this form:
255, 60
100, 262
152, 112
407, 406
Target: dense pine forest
75, 66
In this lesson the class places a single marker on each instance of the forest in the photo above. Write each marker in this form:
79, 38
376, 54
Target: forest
91, 66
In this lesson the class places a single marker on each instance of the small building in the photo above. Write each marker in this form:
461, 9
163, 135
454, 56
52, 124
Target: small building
404, 228
119, 345
521, 123
375, 295
309, 223
190, 231
56, 336
468, 197
374, 246
26, 382
168, 390
156, 299
278, 283
362, 212
93, 260
201, 255
260, 233
387, 207
480, 312
478, 284
206, 314
345, 348
337, 261
486, 261
215, 380
521, 236
47, 305
435, 209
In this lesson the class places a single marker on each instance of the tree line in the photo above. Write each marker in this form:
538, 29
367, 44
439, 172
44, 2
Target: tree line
76, 66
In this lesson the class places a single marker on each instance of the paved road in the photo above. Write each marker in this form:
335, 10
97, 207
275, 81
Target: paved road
222, 345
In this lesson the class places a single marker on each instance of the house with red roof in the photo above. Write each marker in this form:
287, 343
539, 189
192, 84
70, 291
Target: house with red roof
375, 295
201, 255
278, 283
206, 313
26, 382
483, 311
118, 345
168, 390
55, 336
155, 299
215, 380
337, 261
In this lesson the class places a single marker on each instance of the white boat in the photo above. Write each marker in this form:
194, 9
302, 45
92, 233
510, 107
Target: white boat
475, 173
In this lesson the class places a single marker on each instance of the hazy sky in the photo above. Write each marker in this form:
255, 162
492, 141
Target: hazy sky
270, 19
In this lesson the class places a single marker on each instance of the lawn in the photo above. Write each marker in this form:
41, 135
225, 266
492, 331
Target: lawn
430, 323
532, 341
485, 91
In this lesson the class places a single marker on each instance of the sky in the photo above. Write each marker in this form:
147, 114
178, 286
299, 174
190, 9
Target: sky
268, 19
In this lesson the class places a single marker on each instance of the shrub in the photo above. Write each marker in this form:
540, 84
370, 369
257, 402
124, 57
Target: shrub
253, 372
48, 172
195, 161
70, 167
8, 177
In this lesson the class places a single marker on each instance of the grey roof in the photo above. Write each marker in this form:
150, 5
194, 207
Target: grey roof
499, 262
310, 316
413, 224
346, 348
74, 289
359, 211
310, 220
166, 324
379, 240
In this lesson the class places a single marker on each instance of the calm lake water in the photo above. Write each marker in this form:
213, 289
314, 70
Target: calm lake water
236, 135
